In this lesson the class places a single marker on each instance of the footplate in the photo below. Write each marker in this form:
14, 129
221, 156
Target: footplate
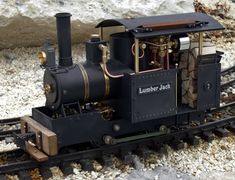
45, 139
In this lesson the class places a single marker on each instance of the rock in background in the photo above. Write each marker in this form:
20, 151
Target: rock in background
30, 22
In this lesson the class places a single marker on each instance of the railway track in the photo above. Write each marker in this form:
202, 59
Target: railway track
228, 70
12, 125
227, 73
23, 165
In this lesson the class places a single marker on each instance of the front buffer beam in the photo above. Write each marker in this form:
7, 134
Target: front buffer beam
37, 140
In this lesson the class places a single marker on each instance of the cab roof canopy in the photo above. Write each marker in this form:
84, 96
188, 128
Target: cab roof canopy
146, 27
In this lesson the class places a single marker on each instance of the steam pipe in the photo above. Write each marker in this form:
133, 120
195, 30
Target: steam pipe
64, 38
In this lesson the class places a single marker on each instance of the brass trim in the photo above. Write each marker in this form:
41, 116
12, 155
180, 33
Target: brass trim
95, 36
137, 55
200, 43
47, 89
107, 83
42, 57
104, 50
86, 82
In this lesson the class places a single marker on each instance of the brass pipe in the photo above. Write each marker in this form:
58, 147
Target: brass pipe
200, 42
104, 50
168, 46
137, 56
167, 59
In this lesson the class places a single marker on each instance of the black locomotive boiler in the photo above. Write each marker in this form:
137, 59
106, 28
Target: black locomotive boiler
142, 82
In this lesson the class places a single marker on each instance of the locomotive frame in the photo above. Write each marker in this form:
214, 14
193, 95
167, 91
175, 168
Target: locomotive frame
109, 101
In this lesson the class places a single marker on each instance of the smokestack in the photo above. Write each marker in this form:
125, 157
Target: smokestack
64, 38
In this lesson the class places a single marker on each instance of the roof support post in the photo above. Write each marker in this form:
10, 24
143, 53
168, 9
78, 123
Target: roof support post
136, 55
200, 42
101, 33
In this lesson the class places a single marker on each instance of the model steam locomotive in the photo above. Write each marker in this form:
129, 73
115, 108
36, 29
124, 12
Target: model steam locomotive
151, 77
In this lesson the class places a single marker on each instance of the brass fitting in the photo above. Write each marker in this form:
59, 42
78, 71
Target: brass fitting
47, 89
42, 57
95, 37
104, 50
143, 46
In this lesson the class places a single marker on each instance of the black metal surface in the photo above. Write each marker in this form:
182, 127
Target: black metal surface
148, 96
21, 138
120, 50
64, 38
208, 86
134, 23
90, 126
93, 53
68, 84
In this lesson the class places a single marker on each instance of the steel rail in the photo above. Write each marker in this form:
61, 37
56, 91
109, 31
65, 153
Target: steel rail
228, 105
226, 84
228, 70
10, 120
8, 133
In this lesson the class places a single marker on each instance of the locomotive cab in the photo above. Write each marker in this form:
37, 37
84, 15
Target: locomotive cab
156, 75
170, 61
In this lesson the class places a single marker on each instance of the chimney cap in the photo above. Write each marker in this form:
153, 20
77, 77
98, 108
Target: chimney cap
64, 14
